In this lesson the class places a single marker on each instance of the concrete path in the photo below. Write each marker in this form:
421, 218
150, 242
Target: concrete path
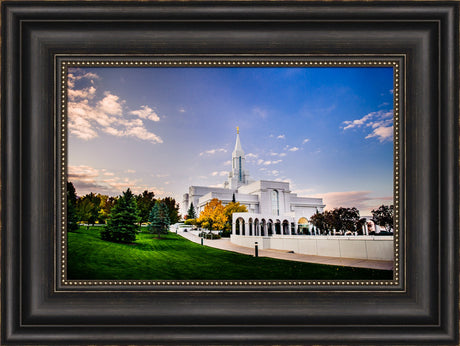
225, 244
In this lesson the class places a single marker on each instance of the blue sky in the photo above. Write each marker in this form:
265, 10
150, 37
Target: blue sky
328, 131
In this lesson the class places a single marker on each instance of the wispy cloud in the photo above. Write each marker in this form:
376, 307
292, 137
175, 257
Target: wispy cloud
362, 200
213, 151
281, 137
146, 113
268, 162
88, 117
85, 93
88, 179
306, 140
219, 173
260, 112
77, 75
164, 175
111, 104
382, 132
380, 122
289, 148
277, 154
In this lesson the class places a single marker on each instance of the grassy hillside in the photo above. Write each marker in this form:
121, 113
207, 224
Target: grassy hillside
176, 258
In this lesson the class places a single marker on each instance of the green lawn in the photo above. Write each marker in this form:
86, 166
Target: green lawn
175, 258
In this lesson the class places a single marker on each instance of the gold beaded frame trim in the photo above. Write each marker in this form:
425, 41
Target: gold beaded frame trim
62, 63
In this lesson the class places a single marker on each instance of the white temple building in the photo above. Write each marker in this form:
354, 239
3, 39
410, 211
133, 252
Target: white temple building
276, 217
272, 207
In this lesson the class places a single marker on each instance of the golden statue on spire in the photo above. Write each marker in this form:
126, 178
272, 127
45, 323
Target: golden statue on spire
237, 130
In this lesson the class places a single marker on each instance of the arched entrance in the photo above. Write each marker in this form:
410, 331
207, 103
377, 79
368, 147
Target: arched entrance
250, 223
270, 228
285, 227
304, 226
239, 226
263, 228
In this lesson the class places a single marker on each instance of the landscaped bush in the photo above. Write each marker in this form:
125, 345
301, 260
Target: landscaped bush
225, 234
207, 235
190, 222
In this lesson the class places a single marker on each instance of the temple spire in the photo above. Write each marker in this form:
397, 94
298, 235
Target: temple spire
238, 176
238, 151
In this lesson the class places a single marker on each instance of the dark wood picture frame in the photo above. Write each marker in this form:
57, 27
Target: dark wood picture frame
421, 308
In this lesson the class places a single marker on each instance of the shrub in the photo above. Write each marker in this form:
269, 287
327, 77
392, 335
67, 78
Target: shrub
209, 235
190, 222
225, 234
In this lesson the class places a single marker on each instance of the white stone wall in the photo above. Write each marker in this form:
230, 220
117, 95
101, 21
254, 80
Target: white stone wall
360, 247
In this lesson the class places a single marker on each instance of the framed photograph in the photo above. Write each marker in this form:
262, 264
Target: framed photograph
230, 173
272, 233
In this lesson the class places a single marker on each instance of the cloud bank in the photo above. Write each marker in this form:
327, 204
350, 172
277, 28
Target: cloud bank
89, 117
380, 124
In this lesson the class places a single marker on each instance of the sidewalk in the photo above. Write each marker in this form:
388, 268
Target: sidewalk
225, 244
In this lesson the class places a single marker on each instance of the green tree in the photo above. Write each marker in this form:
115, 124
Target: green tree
72, 218
191, 214
350, 219
383, 216
338, 219
159, 219
318, 220
173, 209
88, 208
121, 225
145, 202
232, 207
107, 203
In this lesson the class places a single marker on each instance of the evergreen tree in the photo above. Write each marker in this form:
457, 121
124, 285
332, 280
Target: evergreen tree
159, 219
173, 209
145, 202
72, 219
191, 212
121, 225
233, 198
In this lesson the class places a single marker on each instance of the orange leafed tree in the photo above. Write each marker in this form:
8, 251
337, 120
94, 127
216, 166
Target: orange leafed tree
213, 216
233, 207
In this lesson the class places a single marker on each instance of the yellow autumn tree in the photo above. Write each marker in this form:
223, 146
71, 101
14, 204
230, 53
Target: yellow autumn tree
233, 207
213, 217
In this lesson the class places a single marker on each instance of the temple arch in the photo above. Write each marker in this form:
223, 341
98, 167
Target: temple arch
303, 226
285, 227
